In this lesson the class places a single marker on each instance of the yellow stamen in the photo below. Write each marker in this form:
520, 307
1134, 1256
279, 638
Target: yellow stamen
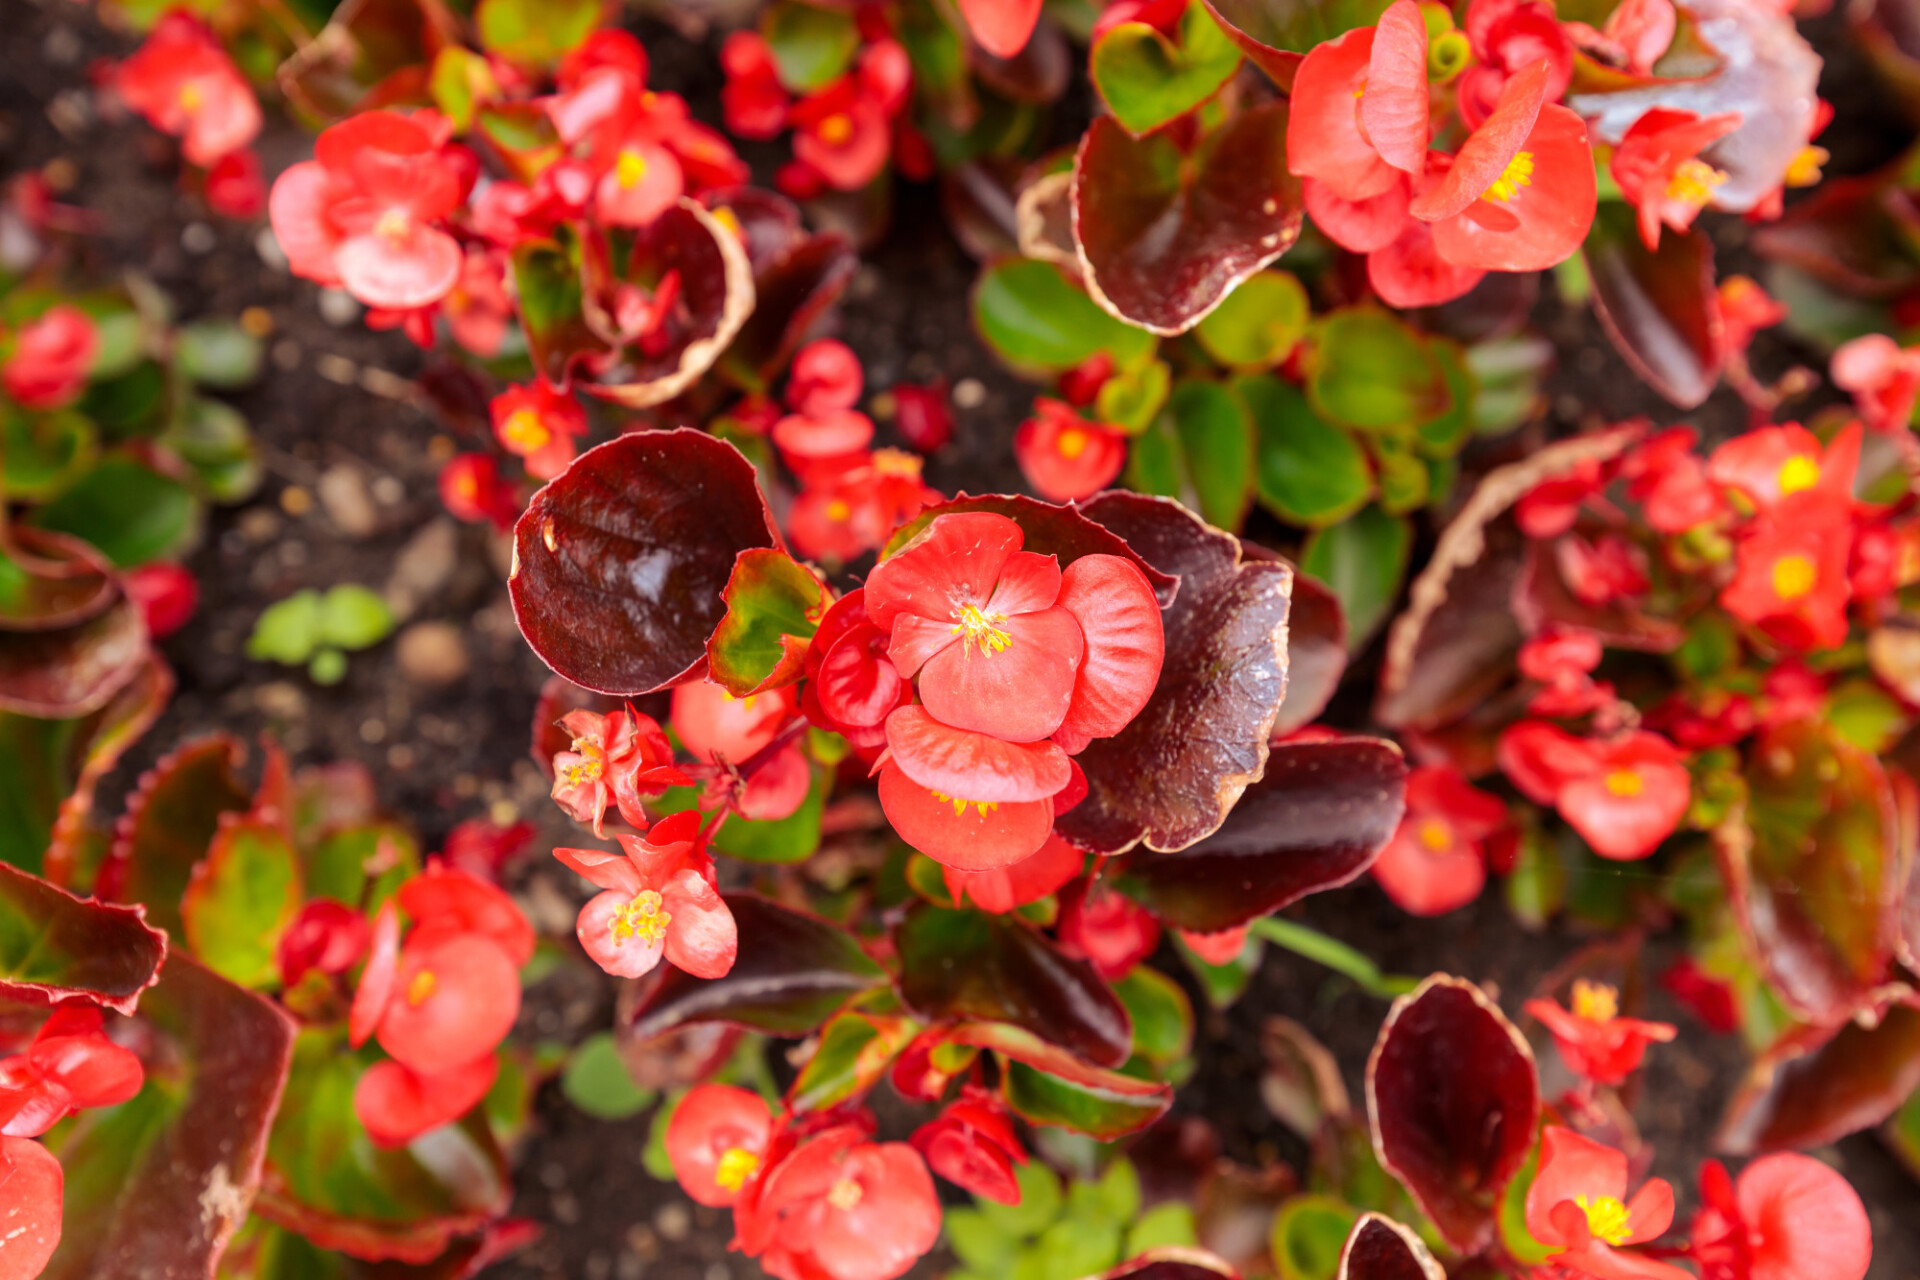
1797, 473
981, 629
838, 511
421, 987
897, 462
1624, 783
846, 1193
393, 224
1436, 835
727, 218
191, 99
1518, 174
985, 807
630, 168
1606, 1218
836, 130
1693, 182
1794, 576
1595, 1001
1072, 443
737, 1164
582, 771
524, 432
641, 918
1804, 169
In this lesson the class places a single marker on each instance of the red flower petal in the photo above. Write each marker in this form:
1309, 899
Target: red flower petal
702, 938
1324, 136
717, 1129
1411, 273
444, 900
1014, 681
402, 270
1484, 157
955, 560
30, 1213
969, 835
1544, 219
1001, 26
966, 765
376, 980
455, 998
1394, 107
397, 1105
1361, 226
1803, 1222
1028, 880
1125, 644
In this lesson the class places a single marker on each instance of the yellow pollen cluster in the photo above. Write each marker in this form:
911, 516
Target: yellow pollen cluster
1693, 182
846, 1193
191, 99
1606, 1218
393, 224
630, 168
1595, 1001
737, 1164
1072, 443
421, 987
1624, 783
1794, 576
641, 918
838, 510
896, 462
523, 430
1436, 836
1798, 472
1804, 169
981, 629
1518, 174
960, 806
835, 130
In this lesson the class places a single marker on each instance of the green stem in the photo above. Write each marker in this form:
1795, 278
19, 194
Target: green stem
1334, 954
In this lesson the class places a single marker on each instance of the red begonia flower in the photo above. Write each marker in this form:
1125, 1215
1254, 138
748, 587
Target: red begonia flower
853, 681
1119, 619
852, 505
1223, 946
443, 901
1326, 139
1001, 27
1561, 661
753, 102
1789, 1217
46, 364
1551, 507
481, 847
166, 593
825, 378
69, 1066
1790, 573
1032, 878
1712, 1000
1593, 1039
1658, 167
371, 997
842, 134
717, 1139
1884, 379
236, 186
885, 73
775, 789
1508, 37
1109, 929
1411, 272
30, 1212
968, 834
538, 425
660, 899
1393, 107
824, 444
1769, 464
971, 766
397, 1104
361, 214
1435, 861
327, 936
841, 1208
1064, 456
471, 489
607, 47
454, 999
1634, 35
1669, 481
715, 726
1601, 572
1623, 796
1578, 1206
184, 83
1745, 309
622, 758
972, 1145
921, 415
478, 309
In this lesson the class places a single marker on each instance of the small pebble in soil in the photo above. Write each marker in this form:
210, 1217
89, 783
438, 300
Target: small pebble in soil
198, 239
269, 250
388, 386
388, 491
424, 567
400, 757
566, 1209
644, 1243
718, 1271
599, 1265
338, 308
258, 524
71, 112
553, 1175
466, 786
432, 653
293, 554
61, 48
503, 813
336, 368
343, 494
280, 698
441, 449
969, 393
295, 501
673, 1221
373, 731
286, 355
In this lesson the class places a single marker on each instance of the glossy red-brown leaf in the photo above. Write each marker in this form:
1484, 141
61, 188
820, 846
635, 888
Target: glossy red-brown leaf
793, 286
1378, 1248
162, 1196
1316, 649
72, 670
1453, 1099
1851, 232
973, 965
1812, 863
620, 561
1316, 820
1458, 639
55, 947
1658, 306
1163, 236
171, 816
1047, 1085
1173, 1263
1169, 779
1814, 1086
60, 580
794, 971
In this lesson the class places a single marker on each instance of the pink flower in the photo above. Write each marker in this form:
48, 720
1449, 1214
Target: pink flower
50, 356
660, 899
184, 83
621, 758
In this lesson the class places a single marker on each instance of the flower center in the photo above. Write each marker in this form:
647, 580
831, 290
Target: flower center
630, 168
524, 432
1436, 836
737, 1164
641, 918
1624, 783
981, 629
394, 224
835, 130
1594, 1001
1804, 169
960, 806
191, 98
846, 1193
1693, 182
1518, 174
421, 987
1606, 1218
1072, 443
1798, 472
838, 510
896, 462
1793, 577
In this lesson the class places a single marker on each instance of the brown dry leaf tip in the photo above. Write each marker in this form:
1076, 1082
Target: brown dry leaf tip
1043, 220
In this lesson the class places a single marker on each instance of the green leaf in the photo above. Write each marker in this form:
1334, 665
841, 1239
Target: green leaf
1309, 471
772, 840
1404, 480
287, 631
1164, 1226
1258, 324
216, 353
535, 32
1507, 374
128, 406
337, 866
1216, 438
855, 1050
523, 136
1038, 320
1222, 984
1334, 954
212, 437
459, 79
1162, 1015
1362, 561
598, 1082
1047, 1085
170, 823
1156, 462
55, 947
1863, 713
1041, 1200
546, 278
1308, 1234
43, 452
132, 513
1149, 80
353, 617
1132, 398
774, 605
1371, 371
240, 899
1442, 436
812, 46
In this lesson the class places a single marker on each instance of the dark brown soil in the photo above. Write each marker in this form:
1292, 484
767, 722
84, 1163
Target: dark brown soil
335, 403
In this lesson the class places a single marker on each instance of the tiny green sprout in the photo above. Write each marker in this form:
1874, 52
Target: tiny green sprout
319, 630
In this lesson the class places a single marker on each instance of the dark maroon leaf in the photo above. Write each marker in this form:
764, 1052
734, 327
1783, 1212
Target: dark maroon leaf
1316, 648
1659, 307
1812, 862
1173, 1262
1852, 232
1816, 1085
1379, 1248
1316, 820
1276, 34
1170, 778
73, 670
794, 971
1165, 236
1051, 530
978, 201
1456, 643
157, 1187
55, 947
51, 580
1453, 1099
170, 820
619, 562
791, 292
973, 965
769, 222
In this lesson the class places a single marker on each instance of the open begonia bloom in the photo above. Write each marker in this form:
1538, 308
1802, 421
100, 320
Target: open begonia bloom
1659, 170
1359, 226
397, 1104
1064, 456
1790, 572
972, 1145
538, 425
659, 900
1410, 271
69, 1066
1769, 464
1107, 928
1034, 877
1508, 37
326, 935
842, 1208
622, 757
717, 1140
1326, 140
842, 134
454, 998
1001, 27
1578, 1204
31, 1210
1593, 1039
51, 354
443, 901
1789, 1217
1883, 376
715, 726
1624, 796
1435, 863
184, 83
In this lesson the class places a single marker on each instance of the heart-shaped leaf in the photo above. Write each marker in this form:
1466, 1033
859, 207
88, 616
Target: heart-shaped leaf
55, 947
973, 965
1816, 1085
1038, 320
1812, 862
1453, 1099
1165, 235
158, 1186
241, 898
1051, 530
794, 971
1148, 79
1309, 471
326, 1179
1276, 34
1315, 820
1658, 306
1257, 325
774, 605
169, 824
1170, 777
620, 562
1379, 1248
812, 45
1045, 1084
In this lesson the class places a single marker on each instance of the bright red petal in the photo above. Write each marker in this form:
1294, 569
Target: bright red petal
966, 765
1803, 1220
1545, 219
30, 1209
397, 1105
701, 938
375, 991
1361, 226
1411, 273
712, 1120
1484, 157
297, 208
443, 899
454, 1000
1394, 107
1571, 1166
1014, 683
413, 268
969, 836
1125, 643
953, 561
1001, 26
1324, 137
